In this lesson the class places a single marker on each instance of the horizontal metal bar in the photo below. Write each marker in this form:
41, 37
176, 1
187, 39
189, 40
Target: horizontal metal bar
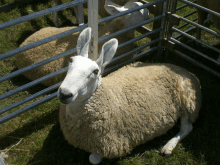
130, 10
200, 26
197, 63
113, 68
187, 15
140, 37
186, 31
130, 28
40, 93
195, 39
27, 108
194, 50
41, 42
40, 13
182, 26
200, 7
35, 82
135, 50
183, 6
33, 66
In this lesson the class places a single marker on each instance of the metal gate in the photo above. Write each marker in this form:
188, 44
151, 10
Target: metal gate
157, 7
171, 41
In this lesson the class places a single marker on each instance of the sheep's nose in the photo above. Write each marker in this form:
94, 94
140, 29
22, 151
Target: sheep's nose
65, 94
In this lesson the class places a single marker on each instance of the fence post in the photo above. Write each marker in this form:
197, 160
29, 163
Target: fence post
157, 24
163, 24
173, 11
93, 23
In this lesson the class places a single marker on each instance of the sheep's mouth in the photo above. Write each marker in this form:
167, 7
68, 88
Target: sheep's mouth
64, 101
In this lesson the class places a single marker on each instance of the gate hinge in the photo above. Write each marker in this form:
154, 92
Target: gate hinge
173, 19
168, 44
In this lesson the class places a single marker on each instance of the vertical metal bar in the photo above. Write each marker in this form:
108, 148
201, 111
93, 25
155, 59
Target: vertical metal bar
163, 23
157, 24
172, 10
80, 14
93, 23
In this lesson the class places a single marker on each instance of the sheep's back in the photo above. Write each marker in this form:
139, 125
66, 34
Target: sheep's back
130, 107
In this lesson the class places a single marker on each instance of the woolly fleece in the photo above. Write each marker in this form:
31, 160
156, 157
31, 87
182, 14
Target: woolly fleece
130, 107
61, 45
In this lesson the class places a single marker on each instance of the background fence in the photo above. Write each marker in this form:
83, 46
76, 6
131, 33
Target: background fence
172, 39
93, 22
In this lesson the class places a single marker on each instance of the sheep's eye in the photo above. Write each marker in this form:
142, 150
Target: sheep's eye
96, 71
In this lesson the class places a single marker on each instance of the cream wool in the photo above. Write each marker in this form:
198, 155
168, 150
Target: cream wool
63, 44
128, 107
131, 106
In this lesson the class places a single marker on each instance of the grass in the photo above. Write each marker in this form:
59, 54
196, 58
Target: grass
35, 136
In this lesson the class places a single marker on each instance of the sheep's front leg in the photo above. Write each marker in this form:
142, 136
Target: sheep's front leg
95, 158
185, 128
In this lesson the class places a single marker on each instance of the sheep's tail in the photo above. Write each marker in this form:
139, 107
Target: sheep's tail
190, 96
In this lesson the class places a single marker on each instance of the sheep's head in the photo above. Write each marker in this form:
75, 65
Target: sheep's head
131, 18
83, 74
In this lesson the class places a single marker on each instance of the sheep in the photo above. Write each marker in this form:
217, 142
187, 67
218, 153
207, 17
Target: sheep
102, 12
68, 42
202, 15
110, 116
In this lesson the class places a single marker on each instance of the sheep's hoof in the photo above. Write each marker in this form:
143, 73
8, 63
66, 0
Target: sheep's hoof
168, 148
95, 158
166, 151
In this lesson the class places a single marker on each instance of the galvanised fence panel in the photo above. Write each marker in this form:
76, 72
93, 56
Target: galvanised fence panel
157, 42
192, 53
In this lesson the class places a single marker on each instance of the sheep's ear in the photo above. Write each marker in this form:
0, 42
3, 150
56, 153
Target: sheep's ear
146, 13
107, 53
83, 42
113, 8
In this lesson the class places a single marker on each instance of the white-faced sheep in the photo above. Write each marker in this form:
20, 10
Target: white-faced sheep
202, 15
110, 116
102, 12
69, 42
